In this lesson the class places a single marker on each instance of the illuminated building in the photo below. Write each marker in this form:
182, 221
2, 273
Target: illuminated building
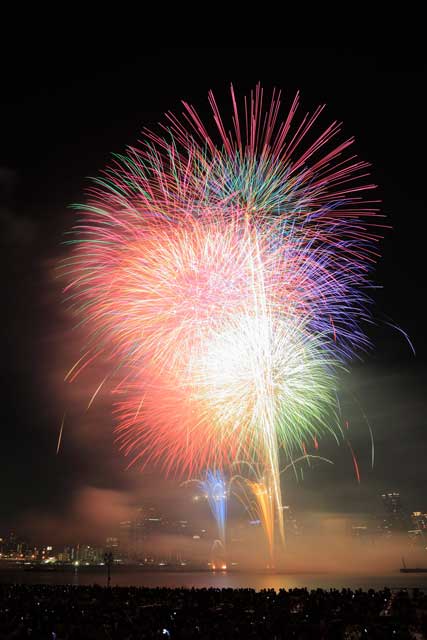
392, 502
396, 519
90, 555
419, 520
112, 544
152, 521
362, 532
11, 544
290, 521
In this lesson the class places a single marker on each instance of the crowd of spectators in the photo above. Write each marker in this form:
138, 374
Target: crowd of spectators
131, 613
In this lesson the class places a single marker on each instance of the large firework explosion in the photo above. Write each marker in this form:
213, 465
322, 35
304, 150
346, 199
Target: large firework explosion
224, 280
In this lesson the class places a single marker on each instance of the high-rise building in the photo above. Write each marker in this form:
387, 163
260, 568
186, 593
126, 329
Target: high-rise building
290, 521
360, 531
396, 518
11, 543
152, 521
419, 520
90, 555
392, 502
112, 544
135, 534
125, 538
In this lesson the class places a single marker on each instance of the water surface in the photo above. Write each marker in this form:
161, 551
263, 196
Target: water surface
144, 578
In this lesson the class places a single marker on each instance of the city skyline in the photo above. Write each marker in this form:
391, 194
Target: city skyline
152, 541
392, 515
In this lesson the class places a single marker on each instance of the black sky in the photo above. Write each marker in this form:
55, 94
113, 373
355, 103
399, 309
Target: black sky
62, 112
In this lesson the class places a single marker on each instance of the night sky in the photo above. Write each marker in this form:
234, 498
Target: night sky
62, 113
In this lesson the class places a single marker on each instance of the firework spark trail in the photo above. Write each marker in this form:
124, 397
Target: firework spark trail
226, 284
58, 446
215, 488
257, 496
264, 504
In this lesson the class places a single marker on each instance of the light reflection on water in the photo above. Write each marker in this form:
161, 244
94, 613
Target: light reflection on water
125, 577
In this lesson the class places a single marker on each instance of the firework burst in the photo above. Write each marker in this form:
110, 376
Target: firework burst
226, 284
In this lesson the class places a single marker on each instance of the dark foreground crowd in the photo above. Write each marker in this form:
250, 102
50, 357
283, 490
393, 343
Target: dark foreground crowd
92, 613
